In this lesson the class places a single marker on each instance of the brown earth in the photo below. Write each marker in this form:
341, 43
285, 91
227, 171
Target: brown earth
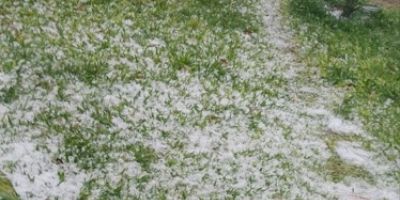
387, 3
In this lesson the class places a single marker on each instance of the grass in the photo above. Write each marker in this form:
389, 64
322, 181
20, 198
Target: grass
144, 155
70, 48
153, 99
7, 191
359, 54
332, 139
337, 170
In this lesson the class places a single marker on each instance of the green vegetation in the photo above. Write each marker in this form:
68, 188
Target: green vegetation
336, 170
350, 6
360, 54
156, 99
7, 191
89, 47
332, 139
143, 155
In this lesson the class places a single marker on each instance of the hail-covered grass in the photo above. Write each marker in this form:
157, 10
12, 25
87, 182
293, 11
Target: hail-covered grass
173, 100
359, 53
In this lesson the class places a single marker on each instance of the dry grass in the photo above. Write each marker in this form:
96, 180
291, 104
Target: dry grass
391, 4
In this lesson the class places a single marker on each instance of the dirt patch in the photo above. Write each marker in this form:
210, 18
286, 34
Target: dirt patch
393, 4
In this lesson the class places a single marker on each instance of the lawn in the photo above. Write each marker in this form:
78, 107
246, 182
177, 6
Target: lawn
111, 86
360, 54
156, 99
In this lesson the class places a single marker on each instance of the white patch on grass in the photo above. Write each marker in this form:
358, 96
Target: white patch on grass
3, 111
111, 100
340, 126
34, 174
355, 190
353, 153
337, 13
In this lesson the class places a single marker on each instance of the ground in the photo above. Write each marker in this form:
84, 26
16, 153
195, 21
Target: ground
387, 3
99, 101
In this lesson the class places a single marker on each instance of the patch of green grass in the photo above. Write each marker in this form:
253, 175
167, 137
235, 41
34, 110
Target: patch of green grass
360, 53
89, 72
332, 139
7, 191
107, 190
224, 14
9, 95
86, 190
102, 116
337, 170
112, 192
81, 146
144, 155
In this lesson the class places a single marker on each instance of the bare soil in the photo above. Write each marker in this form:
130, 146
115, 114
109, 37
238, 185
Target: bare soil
392, 4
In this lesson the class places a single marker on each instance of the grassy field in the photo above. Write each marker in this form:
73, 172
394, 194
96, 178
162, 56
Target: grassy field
360, 54
156, 99
107, 77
